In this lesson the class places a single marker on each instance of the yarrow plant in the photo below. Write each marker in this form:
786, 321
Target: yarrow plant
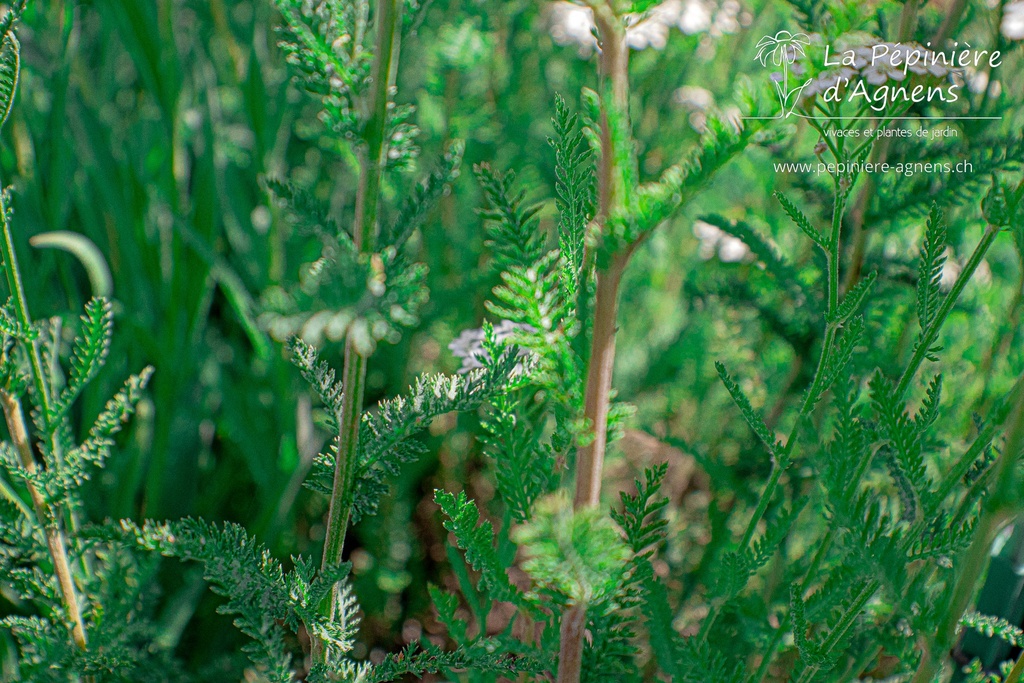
844, 533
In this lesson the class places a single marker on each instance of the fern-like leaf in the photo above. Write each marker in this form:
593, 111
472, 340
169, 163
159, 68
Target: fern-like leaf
476, 539
514, 235
929, 271
755, 421
802, 221
425, 196
87, 355
575, 190
320, 376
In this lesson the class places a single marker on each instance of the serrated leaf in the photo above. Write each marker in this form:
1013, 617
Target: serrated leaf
476, 539
801, 221
755, 421
87, 354
929, 271
10, 67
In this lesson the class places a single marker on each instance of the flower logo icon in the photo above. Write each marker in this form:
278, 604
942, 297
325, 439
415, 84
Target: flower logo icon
782, 49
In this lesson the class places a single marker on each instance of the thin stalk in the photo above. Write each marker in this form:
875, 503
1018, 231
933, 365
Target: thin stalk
17, 289
590, 462
969, 457
929, 336
781, 461
1001, 504
364, 233
780, 465
954, 13
842, 627
48, 520
614, 65
819, 556
18, 428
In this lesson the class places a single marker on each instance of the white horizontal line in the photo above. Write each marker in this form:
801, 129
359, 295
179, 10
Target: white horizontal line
880, 118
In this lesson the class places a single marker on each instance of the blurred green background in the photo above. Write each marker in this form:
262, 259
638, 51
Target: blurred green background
148, 126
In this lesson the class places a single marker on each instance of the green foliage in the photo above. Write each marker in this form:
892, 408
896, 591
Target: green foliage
386, 433
644, 536
227, 205
993, 626
263, 597
10, 60
755, 421
575, 191
802, 221
514, 237
477, 541
323, 42
577, 553
87, 356
929, 272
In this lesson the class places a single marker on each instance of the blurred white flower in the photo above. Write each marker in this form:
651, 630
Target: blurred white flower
1013, 21
694, 17
727, 18
469, 345
572, 24
693, 97
977, 81
713, 240
650, 32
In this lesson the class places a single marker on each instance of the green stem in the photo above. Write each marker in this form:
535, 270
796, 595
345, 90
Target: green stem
364, 233
18, 427
929, 336
17, 289
781, 463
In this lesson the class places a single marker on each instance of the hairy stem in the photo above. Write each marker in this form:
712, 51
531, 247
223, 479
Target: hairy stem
364, 233
590, 459
599, 379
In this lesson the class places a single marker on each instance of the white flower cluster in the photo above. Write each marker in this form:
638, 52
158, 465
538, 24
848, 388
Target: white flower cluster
572, 24
469, 345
